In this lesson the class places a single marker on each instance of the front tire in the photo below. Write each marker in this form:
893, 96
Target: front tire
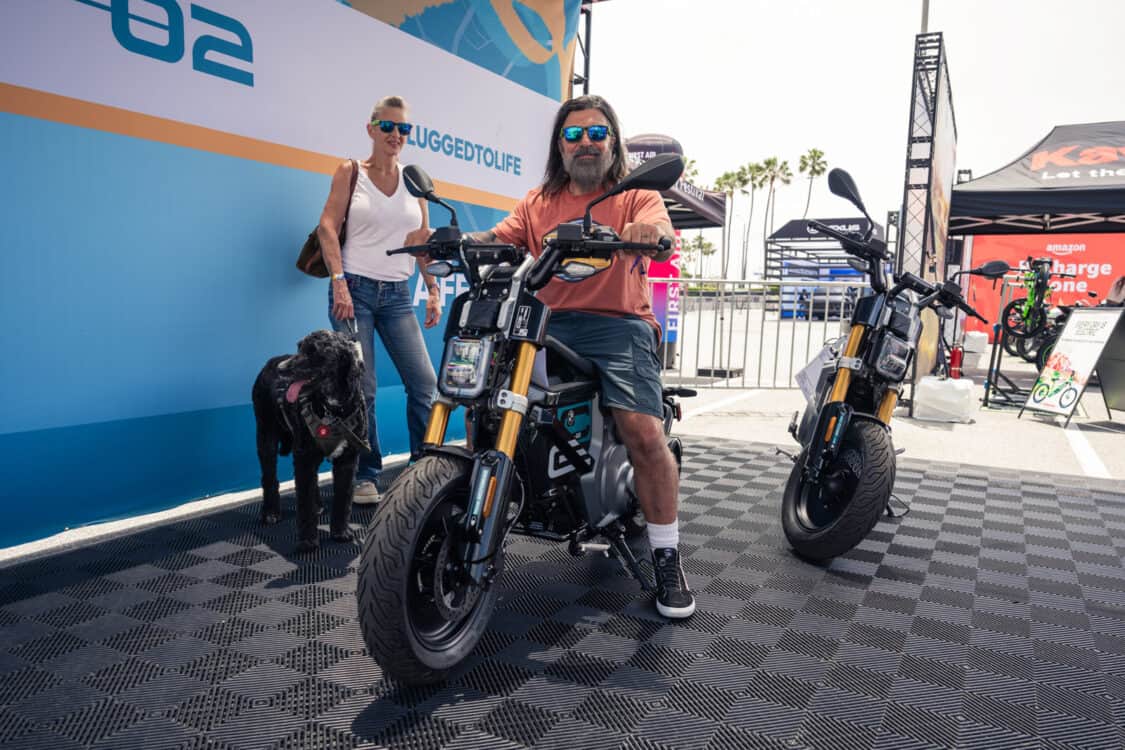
1014, 323
828, 519
413, 636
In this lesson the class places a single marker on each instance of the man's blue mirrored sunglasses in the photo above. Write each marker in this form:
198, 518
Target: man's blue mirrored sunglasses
573, 134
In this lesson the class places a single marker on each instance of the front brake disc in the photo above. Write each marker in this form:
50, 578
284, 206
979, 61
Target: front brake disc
453, 598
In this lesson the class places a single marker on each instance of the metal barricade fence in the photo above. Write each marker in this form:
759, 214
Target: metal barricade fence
750, 334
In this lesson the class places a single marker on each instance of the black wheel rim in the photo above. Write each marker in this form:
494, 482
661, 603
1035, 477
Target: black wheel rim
426, 617
822, 504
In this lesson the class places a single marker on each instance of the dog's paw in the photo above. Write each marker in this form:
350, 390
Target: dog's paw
306, 546
269, 519
344, 535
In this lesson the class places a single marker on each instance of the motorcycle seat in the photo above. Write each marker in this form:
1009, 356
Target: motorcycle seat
561, 375
570, 357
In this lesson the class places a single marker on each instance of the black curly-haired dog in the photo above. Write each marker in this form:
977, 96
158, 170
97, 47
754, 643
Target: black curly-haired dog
311, 403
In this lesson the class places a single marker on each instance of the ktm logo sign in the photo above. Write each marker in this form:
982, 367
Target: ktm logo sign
1065, 156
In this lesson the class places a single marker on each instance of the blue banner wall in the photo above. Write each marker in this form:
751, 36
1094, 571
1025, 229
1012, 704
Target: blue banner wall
158, 209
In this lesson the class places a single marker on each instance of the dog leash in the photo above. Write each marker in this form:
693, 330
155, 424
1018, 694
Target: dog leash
353, 328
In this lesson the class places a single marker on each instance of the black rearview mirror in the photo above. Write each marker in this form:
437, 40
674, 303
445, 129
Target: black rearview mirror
418, 183
658, 173
842, 184
993, 269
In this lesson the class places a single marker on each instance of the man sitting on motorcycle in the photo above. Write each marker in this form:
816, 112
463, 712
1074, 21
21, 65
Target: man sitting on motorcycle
608, 318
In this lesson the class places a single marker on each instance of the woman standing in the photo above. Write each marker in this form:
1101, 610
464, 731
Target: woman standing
372, 287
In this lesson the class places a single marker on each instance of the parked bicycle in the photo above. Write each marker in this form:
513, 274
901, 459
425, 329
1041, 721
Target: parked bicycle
1026, 316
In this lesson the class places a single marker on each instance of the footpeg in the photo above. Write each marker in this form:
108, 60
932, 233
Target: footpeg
578, 549
588, 547
785, 453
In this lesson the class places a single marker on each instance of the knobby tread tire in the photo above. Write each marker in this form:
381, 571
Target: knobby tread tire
868, 503
381, 588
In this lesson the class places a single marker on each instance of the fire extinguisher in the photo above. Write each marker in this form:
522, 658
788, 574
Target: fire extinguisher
956, 357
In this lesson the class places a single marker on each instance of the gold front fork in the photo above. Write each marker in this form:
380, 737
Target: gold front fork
887, 407
439, 420
843, 374
521, 381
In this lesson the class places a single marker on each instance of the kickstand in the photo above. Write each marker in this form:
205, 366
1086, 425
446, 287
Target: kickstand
628, 560
891, 512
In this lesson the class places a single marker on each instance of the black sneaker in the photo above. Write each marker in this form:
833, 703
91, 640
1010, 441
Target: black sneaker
673, 597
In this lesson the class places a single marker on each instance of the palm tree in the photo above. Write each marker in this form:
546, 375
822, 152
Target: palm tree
728, 183
691, 171
813, 162
755, 174
774, 171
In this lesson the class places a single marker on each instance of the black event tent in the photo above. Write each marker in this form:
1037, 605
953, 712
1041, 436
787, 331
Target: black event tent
1071, 181
689, 206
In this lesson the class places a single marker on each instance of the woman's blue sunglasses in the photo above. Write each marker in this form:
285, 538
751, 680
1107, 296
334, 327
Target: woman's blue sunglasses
388, 125
573, 134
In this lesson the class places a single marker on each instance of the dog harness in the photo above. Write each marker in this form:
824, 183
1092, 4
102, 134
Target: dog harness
330, 432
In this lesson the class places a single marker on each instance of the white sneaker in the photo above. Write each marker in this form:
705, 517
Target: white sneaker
365, 493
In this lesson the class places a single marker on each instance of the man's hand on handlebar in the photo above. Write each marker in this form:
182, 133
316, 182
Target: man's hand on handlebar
644, 234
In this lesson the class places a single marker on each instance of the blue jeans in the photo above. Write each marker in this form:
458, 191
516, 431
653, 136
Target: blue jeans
385, 306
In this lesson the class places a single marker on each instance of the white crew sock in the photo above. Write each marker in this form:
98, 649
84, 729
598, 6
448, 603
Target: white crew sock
664, 535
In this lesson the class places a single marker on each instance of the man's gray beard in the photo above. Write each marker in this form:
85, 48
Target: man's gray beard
588, 176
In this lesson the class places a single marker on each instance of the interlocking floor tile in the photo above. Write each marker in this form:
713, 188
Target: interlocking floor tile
991, 616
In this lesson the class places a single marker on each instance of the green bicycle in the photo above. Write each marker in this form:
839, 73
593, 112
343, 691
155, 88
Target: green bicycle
1067, 393
1025, 317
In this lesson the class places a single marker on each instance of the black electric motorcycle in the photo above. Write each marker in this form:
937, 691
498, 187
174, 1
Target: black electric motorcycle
841, 481
545, 460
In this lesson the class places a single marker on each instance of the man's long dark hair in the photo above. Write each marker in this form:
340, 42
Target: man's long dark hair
555, 178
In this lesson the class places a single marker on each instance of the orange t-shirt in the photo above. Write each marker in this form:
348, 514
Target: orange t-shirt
620, 290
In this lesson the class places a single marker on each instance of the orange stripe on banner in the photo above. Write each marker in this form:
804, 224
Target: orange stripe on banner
70, 111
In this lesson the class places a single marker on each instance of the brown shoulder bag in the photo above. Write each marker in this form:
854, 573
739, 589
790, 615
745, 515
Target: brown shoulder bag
311, 258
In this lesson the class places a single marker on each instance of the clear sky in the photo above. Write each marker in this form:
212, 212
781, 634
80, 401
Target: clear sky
740, 80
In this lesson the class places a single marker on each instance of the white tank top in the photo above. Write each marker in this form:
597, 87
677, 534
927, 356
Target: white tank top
378, 223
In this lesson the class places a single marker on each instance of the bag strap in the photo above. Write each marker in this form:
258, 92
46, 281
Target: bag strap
348, 210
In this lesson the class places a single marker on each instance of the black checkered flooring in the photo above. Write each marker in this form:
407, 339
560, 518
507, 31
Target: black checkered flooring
991, 616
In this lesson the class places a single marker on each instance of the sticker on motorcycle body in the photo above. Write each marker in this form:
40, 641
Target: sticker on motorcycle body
522, 323
576, 421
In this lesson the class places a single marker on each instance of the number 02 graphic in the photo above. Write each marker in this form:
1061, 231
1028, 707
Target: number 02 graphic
171, 50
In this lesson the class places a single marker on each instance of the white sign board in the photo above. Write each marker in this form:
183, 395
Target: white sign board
1073, 360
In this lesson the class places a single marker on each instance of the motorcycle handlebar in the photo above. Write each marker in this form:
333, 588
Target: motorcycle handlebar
410, 249
943, 296
852, 243
606, 248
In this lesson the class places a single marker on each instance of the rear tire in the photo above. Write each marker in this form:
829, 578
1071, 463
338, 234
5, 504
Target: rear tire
1011, 345
403, 626
1029, 347
820, 525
